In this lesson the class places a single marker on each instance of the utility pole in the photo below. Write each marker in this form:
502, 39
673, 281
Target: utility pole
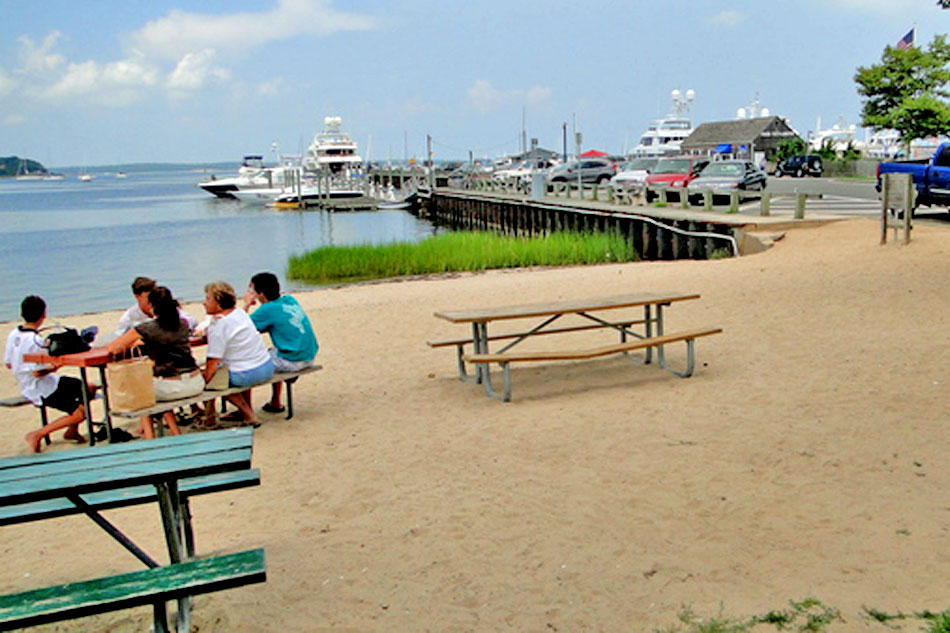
564, 140
429, 162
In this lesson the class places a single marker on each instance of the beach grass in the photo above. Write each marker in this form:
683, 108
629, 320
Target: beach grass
457, 252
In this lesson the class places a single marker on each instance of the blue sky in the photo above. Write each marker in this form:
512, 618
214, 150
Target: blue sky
136, 81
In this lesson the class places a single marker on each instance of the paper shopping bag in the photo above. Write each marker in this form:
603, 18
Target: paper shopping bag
220, 380
130, 384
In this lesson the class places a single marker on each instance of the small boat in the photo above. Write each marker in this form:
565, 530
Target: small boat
85, 177
121, 174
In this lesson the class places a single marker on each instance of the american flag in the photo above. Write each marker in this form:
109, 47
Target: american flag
907, 41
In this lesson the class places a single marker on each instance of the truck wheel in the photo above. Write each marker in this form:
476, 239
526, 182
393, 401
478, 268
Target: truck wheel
799, 173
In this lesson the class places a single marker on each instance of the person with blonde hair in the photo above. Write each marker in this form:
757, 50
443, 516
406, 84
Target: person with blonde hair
235, 343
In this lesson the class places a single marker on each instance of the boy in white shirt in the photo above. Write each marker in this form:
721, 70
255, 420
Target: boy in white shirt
38, 383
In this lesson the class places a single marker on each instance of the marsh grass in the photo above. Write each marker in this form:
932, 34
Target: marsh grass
455, 252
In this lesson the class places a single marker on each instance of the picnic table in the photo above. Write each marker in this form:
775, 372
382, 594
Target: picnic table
97, 357
41, 486
652, 333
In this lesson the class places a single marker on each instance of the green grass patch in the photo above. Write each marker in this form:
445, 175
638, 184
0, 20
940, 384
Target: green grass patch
455, 252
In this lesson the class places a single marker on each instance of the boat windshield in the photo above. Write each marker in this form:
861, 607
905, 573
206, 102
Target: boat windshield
672, 166
723, 169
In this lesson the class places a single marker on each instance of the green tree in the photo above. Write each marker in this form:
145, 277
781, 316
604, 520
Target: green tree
791, 147
908, 90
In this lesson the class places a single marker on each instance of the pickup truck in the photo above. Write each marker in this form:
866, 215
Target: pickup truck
931, 177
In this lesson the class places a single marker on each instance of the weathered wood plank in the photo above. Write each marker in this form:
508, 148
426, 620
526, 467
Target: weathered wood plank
90, 597
563, 307
136, 495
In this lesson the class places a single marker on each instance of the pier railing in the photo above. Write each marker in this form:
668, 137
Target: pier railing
727, 200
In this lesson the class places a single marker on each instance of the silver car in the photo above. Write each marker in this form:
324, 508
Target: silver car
729, 174
591, 170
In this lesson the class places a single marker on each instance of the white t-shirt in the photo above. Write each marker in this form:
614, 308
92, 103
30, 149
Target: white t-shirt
22, 342
234, 339
135, 316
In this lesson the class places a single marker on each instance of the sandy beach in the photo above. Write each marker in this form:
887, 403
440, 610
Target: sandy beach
802, 459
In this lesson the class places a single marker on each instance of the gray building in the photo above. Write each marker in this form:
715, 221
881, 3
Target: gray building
741, 137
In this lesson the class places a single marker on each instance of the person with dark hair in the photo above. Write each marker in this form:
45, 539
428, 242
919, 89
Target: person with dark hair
139, 313
38, 383
294, 343
165, 341
234, 343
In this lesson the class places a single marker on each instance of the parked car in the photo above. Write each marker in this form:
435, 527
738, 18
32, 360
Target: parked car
525, 168
632, 173
676, 171
800, 165
729, 174
591, 170
931, 177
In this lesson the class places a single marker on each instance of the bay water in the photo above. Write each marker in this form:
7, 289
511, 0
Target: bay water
79, 244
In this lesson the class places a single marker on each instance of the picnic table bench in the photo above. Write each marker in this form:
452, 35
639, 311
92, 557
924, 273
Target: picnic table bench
20, 401
651, 337
288, 378
37, 487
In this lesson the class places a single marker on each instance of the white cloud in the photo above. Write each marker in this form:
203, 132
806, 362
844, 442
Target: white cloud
180, 32
79, 79
194, 70
485, 98
39, 58
6, 84
129, 72
729, 19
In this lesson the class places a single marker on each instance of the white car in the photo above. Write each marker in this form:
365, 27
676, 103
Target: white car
633, 174
523, 170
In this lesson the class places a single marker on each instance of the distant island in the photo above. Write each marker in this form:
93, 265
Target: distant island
11, 166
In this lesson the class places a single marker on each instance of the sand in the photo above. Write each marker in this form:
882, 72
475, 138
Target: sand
806, 457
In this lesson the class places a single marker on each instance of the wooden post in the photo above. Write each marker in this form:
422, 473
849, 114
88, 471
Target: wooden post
766, 202
663, 196
684, 198
800, 206
734, 201
707, 199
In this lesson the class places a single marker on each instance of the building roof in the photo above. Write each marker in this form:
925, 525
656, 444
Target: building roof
761, 131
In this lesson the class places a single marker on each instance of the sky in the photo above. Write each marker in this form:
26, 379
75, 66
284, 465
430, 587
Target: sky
85, 84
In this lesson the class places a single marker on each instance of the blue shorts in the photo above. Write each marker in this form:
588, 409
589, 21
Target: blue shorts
251, 377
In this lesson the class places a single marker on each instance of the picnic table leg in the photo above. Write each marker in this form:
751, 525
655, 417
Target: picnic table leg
290, 397
107, 418
459, 351
648, 331
170, 506
86, 407
660, 356
477, 346
44, 421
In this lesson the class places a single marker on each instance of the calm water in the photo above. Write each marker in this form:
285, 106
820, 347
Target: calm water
79, 245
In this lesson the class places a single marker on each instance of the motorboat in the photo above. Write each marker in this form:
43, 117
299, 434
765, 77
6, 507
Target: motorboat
333, 151
252, 175
665, 136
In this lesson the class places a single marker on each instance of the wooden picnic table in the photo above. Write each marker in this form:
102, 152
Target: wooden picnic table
96, 357
652, 303
162, 463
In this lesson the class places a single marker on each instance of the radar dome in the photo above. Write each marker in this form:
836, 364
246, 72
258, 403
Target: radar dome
690, 95
740, 113
765, 112
675, 94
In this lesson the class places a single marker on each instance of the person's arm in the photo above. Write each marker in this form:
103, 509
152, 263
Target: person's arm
250, 298
211, 366
125, 341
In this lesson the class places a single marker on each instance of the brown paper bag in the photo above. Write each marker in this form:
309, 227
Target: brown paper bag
220, 380
130, 384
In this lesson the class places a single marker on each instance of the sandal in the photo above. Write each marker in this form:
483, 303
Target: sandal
206, 424
234, 416
269, 408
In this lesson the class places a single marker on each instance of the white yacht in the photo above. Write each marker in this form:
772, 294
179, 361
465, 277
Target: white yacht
333, 150
252, 174
840, 137
664, 136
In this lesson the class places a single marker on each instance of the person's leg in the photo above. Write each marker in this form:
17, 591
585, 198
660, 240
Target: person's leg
275, 395
241, 402
147, 427
71, 420
171, 423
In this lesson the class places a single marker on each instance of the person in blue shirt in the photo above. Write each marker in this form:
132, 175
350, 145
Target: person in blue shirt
294, 343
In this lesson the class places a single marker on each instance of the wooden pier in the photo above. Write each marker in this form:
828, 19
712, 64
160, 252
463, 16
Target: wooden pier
655, 233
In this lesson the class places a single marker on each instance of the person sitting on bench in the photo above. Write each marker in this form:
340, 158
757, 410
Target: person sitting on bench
165, 340
235, 343
38, 383
141, 311
295, 345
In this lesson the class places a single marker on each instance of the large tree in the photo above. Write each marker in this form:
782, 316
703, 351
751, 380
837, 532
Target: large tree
908, 90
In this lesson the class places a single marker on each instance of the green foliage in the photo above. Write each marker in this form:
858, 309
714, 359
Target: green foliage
827, 150
908, 90
940, 623
13, 165
461, 251
790, 147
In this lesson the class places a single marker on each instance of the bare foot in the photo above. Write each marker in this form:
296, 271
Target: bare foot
74, 435
33, 441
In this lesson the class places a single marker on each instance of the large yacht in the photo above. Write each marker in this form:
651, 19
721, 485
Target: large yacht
252, 174
664, 136
333, 150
